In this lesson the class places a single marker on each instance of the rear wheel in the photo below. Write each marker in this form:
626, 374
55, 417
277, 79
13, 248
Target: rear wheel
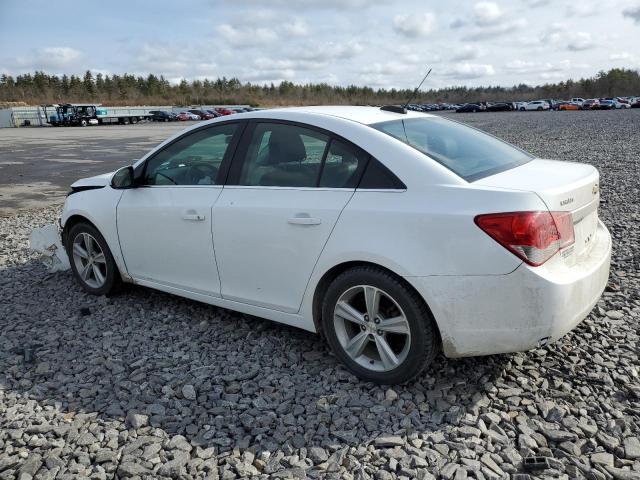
83, 123
91, 261
378, 327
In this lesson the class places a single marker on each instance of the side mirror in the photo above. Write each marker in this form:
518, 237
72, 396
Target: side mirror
123, 178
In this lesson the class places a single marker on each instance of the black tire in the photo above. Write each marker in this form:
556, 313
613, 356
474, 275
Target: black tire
522, 109
539, 109
424, 341
112, 277
83, 123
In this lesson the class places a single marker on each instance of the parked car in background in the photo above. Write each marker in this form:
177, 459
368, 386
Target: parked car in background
591, 104
214, 113
621, 103
183, 116
470, 107
469, 245
553, 104
606, 104
569, 106
224, 111
538, 105
578, 101
499, 107
162, 116
202, 114
635, 103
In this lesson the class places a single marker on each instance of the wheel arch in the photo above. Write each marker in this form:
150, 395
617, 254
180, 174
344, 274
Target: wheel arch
336, 270
72, 221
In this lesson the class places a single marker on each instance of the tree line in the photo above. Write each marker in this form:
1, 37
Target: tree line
126, 89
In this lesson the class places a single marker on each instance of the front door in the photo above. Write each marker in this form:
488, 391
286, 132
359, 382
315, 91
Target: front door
286, 190
165, 224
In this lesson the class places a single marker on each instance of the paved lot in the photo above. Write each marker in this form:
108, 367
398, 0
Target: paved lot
37, 165
148, 385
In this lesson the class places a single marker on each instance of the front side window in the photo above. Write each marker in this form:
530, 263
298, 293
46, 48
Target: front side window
468, 152
192, 160
284, 156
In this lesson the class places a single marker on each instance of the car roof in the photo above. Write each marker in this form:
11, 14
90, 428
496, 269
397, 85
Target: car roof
364, 115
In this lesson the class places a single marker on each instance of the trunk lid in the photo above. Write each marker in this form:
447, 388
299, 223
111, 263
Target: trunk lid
563, 187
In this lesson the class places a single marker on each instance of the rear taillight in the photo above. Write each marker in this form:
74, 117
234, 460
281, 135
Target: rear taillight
532, 236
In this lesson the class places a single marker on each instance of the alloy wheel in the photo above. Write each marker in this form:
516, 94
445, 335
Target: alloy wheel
372, 328
89, 260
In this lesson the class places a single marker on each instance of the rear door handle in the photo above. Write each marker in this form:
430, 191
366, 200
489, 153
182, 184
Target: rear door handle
304, 220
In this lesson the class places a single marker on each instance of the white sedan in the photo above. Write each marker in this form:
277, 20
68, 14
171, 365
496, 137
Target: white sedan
536, 105
395, 234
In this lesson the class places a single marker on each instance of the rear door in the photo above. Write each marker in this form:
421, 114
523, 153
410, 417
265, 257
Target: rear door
287, 188
164, 225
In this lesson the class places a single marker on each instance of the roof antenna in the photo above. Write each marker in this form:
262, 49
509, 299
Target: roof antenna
403, 108
415, 92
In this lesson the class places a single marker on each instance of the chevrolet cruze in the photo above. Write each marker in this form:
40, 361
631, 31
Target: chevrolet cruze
394, 234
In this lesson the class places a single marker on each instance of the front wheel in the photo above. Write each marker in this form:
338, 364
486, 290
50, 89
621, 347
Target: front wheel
378, 327
91, 261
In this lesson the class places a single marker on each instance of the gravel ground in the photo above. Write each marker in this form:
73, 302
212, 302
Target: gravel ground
147, 385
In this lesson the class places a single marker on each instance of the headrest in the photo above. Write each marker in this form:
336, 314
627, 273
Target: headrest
285, 146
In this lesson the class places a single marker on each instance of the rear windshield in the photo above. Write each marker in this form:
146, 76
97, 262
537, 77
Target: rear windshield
467, 152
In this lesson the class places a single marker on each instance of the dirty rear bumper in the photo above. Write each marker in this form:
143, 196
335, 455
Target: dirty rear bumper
489, 314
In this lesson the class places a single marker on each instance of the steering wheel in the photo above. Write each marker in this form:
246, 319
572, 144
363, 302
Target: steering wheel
202, 170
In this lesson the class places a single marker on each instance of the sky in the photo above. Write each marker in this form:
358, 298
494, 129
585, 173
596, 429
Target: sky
378, 43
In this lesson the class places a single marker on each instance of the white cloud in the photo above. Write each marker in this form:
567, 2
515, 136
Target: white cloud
633, 13
326, 51
577, 41
497, 29
297, 27
315, 4
464, 71
467, 52
582, 9
413, 26
621, 56
50, 58
524, 66
246, 36
537, 3
486, 13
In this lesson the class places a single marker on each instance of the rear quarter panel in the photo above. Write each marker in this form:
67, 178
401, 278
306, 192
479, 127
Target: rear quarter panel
422, 232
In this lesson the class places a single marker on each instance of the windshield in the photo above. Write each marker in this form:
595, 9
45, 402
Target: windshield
467, 152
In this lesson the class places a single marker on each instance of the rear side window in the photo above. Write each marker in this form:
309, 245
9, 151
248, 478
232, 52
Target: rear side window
379, 177
466, 151
342, 166
284, 156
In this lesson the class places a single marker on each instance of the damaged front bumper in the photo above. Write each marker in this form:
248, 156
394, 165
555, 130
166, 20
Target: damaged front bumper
47, 241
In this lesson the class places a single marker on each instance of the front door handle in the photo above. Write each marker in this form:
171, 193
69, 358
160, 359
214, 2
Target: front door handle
194, 217
304, 220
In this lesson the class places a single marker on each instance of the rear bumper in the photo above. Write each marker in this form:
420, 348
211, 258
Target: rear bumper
490, 314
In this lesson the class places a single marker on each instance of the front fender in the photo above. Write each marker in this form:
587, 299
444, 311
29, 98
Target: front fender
99, 207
